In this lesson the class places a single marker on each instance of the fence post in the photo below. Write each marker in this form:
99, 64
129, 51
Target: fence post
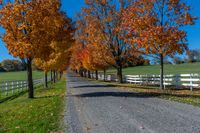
140, 79
12, 87
21, 85
6, 88
147, 79
24, 84
191, 87
17, 86
164, 82
27, 85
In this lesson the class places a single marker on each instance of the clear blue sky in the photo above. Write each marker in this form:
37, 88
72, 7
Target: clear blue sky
71, 7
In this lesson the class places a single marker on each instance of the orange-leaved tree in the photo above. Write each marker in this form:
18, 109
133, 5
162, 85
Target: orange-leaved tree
27, 26
156, 26
94, 59
59, 58
100, 24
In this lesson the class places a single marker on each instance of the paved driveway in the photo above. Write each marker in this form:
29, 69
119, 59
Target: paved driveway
97, 108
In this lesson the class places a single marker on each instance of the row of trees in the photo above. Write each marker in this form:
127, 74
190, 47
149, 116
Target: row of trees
37, 31
112, 33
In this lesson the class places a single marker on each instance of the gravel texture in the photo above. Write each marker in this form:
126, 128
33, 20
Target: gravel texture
96, 108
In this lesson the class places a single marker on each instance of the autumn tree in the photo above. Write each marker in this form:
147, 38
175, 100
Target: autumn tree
29, 29
156, 26
100, 27
75, 60
56, 55
93, 60
60, 57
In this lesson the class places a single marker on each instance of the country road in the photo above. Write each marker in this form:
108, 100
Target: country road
96, 108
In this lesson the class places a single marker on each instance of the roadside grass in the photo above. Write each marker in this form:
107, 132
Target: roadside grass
20, 75
182, 96
39, 115
155, 69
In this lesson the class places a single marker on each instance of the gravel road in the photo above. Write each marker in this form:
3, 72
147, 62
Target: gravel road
95, 108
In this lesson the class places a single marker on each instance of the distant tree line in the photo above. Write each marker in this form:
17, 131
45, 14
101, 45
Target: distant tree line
11, 65
191, 56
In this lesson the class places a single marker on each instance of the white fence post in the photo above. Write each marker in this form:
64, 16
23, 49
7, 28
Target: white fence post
17, 86
21, 85
6, 88
12, 87
191, 88
164, 82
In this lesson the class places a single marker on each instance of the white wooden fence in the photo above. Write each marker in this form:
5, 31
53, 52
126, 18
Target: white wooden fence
16, 86
178, 80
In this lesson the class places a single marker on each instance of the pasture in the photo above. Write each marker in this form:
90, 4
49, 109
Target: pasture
155, 69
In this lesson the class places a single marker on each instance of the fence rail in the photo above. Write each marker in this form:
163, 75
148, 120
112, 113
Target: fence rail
15, 86
178, 80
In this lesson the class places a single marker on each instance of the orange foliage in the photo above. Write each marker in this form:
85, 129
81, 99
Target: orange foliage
155, 26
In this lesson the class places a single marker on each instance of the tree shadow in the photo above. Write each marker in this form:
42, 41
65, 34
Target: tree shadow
94, 86
74, 81
12, 97
118, 94
134, 95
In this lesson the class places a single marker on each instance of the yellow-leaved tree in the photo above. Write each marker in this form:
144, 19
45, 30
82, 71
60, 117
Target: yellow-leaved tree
29, 29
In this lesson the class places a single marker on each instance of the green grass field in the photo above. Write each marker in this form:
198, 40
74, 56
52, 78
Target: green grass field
39, 115
21, 75
155, 69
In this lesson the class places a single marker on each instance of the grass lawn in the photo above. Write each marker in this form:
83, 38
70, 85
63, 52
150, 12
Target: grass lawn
154, 69
21, 75
39, 115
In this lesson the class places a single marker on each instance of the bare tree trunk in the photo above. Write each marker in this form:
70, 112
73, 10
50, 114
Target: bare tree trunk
61, 73
57, 75
161, 72
96, 74
81, 73
54, 76
119, 74
104, 73
85, 73
45, 80
30, 78
51, 76
89, 74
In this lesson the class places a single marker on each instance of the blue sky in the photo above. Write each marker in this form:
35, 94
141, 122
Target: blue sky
71, 7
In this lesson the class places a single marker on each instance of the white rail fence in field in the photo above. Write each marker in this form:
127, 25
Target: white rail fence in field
16, 86
178, 80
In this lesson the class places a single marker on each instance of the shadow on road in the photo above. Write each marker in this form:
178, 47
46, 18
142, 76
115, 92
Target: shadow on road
117, 94
94, 86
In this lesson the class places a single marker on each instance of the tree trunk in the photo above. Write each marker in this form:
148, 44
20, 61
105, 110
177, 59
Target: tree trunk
119, 74
81, 73
51, 76
89, 74
61, 73
54, 76
45, 80
96, 74
104, 73
85, 73
30, 78
57, 75
161, 72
